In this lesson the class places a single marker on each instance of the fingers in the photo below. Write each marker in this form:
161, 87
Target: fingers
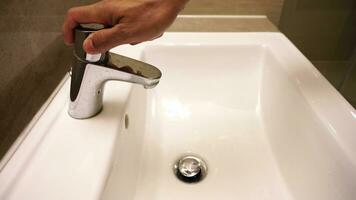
84, 14
131, 25
104, 40
160, 35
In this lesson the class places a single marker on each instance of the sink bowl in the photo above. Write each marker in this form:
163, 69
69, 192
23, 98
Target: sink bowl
265, 121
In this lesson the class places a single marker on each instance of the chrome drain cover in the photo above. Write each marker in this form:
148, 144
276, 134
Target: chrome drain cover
190, 169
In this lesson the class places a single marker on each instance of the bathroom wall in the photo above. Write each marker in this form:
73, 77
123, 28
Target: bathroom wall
34, 59
271, 8
325, 31
348, 87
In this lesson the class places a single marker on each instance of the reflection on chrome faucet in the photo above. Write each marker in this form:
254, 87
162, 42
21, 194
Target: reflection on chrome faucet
90, 72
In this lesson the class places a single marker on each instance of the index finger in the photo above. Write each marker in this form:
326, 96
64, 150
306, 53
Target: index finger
84, 14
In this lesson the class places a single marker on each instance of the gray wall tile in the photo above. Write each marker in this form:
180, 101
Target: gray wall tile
324, 30
33, 60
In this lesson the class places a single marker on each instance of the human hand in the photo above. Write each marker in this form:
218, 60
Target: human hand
131, 21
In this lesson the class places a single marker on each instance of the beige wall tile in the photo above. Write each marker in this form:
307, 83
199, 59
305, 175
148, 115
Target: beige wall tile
271, 8
229, 24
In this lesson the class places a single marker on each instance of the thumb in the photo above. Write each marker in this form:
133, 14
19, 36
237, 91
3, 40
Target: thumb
103, 40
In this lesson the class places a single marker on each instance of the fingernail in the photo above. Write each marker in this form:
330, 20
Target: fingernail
88, 46
68, 43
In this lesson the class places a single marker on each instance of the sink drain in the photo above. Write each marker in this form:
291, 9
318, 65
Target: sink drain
190, 169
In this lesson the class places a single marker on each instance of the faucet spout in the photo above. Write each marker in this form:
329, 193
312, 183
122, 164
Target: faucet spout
139, 72
88, 78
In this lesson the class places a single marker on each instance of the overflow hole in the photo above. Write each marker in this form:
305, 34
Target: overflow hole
127, 121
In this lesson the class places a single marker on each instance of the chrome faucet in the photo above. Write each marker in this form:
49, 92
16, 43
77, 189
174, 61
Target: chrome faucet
90, 72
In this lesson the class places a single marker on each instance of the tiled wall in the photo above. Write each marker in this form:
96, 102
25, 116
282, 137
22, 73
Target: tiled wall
348, 88
33, 58
325, 31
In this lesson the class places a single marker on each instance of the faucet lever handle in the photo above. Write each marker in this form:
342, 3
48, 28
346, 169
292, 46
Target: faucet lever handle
81, 32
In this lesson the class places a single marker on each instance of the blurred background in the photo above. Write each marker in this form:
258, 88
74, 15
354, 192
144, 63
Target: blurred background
34, 59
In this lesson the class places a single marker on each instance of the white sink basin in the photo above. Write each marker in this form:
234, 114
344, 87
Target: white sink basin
267, 123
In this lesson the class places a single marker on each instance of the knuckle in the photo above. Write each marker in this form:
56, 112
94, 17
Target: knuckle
71, 12
98, 37
122, 32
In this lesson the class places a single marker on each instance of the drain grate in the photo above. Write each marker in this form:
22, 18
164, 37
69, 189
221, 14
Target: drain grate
190, 169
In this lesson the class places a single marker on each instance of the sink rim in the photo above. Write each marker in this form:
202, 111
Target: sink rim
329, 114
